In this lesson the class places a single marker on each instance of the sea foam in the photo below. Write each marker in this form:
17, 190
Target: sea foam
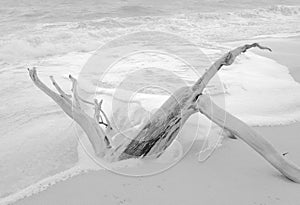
257, 89
58, 38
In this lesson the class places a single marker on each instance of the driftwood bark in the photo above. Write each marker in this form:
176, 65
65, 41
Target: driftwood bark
164, 125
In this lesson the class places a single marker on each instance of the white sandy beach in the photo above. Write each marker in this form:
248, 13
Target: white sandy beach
234, 174
139, 53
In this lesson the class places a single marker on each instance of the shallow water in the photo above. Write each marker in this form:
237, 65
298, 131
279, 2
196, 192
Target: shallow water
37, 139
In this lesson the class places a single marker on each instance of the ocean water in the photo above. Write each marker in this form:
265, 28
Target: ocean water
37, 140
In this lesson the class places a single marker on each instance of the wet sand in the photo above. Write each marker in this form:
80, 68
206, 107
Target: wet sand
234, 174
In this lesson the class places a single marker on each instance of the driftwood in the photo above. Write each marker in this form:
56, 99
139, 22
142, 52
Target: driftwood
159, 132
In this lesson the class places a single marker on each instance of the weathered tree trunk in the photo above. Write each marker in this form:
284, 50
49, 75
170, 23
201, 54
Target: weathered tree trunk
164, 125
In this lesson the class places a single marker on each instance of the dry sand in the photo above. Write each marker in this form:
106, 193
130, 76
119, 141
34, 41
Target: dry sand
235, 174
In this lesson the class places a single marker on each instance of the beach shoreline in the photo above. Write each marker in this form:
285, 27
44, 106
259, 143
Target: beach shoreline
234, 174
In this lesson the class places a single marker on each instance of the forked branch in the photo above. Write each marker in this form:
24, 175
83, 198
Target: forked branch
97, 114
163, 127
92, 129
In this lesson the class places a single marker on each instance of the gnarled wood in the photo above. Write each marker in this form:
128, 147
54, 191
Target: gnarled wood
95, 134
164, 125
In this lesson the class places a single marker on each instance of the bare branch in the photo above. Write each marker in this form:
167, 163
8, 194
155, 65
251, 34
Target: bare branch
85, 101
61, 101
105, 116
75, 92
97, 114
97, 108
162, 128
92, 129
226, 60
60, 91
248, 135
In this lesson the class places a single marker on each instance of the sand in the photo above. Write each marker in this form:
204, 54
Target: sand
234, 174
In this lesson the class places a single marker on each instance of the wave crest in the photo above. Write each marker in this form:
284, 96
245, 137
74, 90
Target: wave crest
85, 36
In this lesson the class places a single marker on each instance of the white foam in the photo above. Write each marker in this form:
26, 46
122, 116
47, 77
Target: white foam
260, 91
59, 38
277, 35
41, 185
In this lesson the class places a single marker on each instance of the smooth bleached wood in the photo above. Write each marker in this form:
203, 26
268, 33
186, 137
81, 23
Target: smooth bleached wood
95, 134
165, 124
241, 130
159, 132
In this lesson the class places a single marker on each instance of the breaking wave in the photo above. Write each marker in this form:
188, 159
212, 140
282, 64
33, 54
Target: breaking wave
85, 36
265, 95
